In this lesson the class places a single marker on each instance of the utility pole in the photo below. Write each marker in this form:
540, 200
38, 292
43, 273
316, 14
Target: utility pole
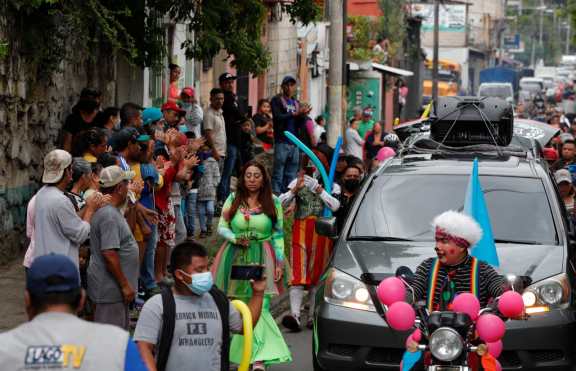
436, 47
336, 72
568, 36
542, 8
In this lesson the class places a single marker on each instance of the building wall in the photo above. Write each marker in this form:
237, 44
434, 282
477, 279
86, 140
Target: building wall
283, 46
33, 108
363, 8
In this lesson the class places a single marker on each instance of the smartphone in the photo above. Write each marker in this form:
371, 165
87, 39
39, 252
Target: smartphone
247, 272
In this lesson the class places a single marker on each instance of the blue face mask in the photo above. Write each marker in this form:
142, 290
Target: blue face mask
201, 282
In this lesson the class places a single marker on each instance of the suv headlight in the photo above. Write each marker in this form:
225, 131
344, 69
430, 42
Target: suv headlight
347, 291
446, 344
551, 293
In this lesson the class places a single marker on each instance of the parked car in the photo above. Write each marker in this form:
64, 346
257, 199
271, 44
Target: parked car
389, 226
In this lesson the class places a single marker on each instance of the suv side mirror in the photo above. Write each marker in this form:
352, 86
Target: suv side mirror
327, 227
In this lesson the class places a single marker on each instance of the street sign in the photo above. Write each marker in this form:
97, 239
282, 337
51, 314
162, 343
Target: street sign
512, 41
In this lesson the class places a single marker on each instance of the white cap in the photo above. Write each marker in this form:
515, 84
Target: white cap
562, 175
458, 225
112, 175
55, 163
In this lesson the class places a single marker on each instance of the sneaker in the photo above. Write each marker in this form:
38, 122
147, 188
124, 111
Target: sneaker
202, 235
258, 366
291, 322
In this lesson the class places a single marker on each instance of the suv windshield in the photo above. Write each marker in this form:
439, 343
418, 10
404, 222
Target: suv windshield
403, 206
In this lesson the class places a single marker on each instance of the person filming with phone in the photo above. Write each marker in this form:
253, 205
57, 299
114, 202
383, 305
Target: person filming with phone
252, 224
188, 326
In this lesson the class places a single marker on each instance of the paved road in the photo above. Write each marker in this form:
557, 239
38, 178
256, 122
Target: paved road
301, 346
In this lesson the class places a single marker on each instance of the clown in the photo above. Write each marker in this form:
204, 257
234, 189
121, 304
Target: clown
438, 280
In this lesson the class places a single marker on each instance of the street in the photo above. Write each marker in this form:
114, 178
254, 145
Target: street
301, 347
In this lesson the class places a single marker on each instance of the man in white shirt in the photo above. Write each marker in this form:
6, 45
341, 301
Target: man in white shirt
215, 126
58, 228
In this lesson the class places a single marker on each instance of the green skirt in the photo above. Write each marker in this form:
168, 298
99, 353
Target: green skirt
268, 344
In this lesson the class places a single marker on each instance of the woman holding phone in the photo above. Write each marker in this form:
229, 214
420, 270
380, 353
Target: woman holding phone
252, 224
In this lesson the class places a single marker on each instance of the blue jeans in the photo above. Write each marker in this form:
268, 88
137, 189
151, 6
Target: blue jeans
147, 267
205, 214
285, 169
232, 156
190, 212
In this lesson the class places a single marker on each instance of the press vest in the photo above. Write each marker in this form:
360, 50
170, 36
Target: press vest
60, 341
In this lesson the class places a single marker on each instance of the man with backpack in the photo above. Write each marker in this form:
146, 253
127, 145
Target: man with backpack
188, 327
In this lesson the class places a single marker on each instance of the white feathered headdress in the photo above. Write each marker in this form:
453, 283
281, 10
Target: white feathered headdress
458, 225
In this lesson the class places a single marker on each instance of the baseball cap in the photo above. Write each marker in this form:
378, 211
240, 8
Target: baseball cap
189, 91
51, 274
121, 138
550, 154
226, 76
55, 163
288, 79
112, 175
562, 175
151, 114
172, 106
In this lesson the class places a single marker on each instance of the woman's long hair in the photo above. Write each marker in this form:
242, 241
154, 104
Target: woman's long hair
264, 197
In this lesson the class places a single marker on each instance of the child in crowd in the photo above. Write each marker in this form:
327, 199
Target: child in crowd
207, 188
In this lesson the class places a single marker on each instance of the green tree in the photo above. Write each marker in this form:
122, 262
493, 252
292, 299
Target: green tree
136, 31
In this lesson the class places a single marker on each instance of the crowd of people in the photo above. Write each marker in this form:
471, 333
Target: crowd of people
114, 230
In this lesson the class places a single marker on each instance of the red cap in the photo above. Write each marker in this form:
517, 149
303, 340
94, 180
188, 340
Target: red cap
189, 91
171, 106
550, 154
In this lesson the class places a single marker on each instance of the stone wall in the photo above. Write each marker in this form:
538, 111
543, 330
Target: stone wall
32, 111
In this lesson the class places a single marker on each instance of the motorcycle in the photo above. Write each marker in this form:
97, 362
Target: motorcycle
450, 337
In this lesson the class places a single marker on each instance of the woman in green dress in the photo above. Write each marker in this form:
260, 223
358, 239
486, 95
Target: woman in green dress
252, 224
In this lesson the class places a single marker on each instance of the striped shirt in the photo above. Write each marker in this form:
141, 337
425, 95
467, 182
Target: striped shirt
491, 285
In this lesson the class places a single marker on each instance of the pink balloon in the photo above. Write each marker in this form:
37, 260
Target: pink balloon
511, 304
400, 316
495, 348
498, 366
466, 303
391, 290
417, 335
490, 328
400, 365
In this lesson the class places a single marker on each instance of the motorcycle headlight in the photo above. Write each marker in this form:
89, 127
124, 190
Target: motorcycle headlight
347, 291
446, 344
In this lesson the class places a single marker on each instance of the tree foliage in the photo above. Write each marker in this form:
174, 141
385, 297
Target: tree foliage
139, 33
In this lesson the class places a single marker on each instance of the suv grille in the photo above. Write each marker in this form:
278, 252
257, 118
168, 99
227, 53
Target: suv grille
548, 355
509, 359
385, 355
342, 349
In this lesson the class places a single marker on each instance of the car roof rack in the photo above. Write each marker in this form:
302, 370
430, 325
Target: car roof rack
423, 144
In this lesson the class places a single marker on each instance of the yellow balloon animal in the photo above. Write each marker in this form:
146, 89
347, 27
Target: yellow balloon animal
247, 327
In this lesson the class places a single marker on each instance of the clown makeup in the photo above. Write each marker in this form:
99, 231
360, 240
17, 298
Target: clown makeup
450, 250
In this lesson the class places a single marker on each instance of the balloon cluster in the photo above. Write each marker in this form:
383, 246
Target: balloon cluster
490, 328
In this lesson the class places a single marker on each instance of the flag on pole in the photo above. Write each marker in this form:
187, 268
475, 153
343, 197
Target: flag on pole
475, 206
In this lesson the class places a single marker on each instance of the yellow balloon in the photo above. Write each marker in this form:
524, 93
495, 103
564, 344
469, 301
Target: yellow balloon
247, 328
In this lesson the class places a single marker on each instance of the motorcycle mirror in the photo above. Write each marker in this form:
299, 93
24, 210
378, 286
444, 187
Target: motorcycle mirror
518, 283
405, 273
